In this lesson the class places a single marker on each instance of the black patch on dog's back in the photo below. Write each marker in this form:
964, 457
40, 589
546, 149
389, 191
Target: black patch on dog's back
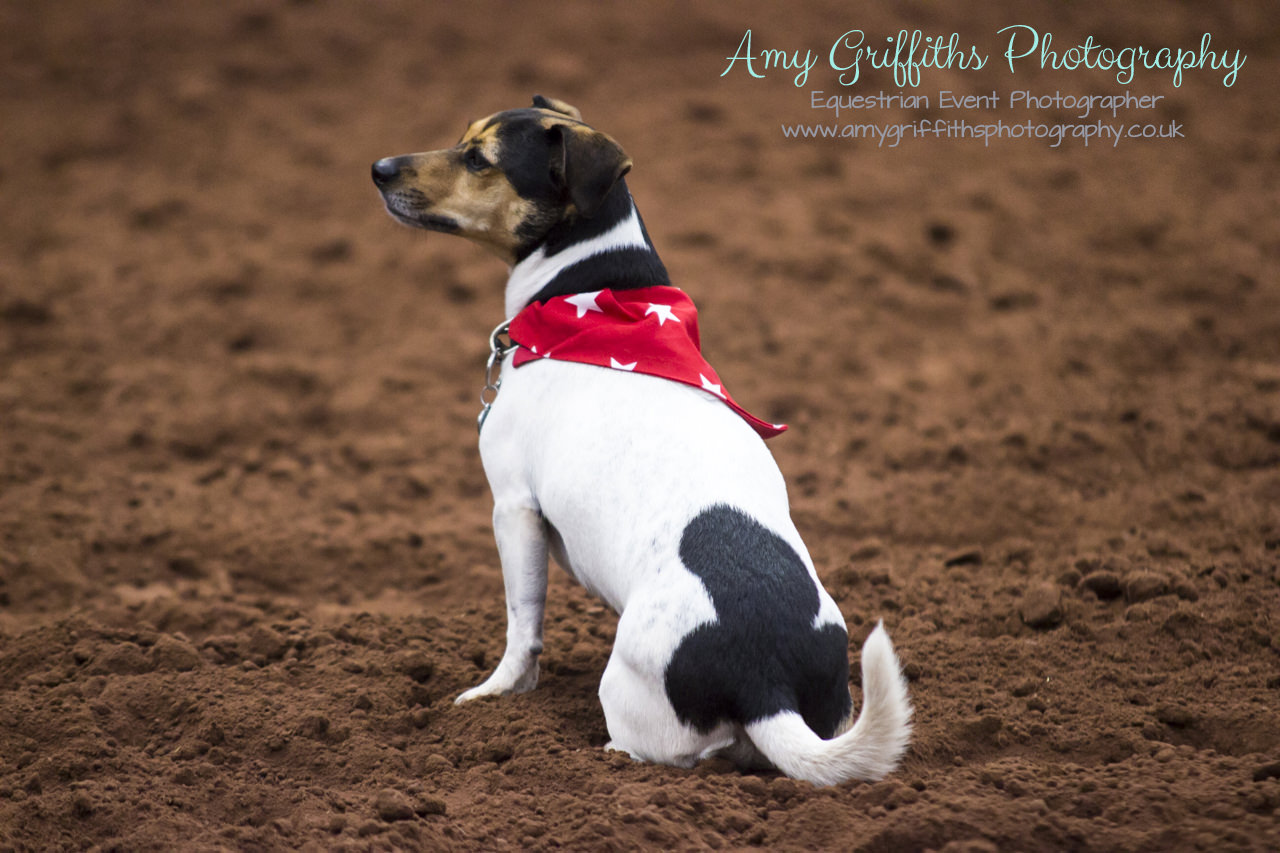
762, 655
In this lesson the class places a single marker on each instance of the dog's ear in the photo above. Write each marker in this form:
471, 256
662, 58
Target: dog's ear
556, 106
590, 163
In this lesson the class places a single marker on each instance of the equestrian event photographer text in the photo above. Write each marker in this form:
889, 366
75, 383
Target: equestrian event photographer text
910, 51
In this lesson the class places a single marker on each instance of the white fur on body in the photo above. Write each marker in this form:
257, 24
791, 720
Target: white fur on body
605, 469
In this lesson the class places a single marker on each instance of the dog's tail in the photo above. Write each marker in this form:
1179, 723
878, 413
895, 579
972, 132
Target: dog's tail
869, 750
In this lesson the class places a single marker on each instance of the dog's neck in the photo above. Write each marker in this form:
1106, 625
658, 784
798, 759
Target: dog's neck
612, 249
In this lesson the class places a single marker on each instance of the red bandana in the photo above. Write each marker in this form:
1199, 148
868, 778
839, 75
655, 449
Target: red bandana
651, 330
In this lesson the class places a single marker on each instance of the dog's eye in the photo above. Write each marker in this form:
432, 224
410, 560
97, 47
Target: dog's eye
474, 160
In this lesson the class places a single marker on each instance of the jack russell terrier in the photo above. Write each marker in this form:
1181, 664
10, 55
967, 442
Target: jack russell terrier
614, 447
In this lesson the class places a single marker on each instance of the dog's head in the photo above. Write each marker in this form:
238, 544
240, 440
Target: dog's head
509, 180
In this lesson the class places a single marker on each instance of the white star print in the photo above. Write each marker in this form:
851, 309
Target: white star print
614, 363
708, 385
585, 302
664, 313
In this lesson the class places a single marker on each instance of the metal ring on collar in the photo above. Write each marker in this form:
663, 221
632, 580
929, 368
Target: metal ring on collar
498, 349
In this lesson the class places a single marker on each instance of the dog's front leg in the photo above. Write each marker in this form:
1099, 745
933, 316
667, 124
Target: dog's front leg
522, 547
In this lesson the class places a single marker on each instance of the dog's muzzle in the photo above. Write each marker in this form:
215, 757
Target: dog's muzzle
386, 170
407, 204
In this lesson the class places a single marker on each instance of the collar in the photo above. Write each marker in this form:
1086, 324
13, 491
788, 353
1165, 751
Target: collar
650, 330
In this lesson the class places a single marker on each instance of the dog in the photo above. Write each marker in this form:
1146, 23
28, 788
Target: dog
655, 492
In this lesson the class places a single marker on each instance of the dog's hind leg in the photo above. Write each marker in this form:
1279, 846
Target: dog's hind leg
642, 723
637, 712
522, 546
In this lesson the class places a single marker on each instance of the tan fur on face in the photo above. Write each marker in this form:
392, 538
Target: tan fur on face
483, 204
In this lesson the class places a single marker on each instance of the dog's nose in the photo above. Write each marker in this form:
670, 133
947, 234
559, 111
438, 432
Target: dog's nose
385, 171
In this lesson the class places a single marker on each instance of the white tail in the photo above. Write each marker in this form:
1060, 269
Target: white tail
870, 750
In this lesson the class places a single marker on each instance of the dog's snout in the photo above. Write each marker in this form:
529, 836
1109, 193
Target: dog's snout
386, 170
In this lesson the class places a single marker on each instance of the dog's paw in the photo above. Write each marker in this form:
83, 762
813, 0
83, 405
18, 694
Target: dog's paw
477, 692
501, 684
611, 746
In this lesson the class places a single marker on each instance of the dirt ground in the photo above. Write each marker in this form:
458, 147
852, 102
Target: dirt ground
245, 553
